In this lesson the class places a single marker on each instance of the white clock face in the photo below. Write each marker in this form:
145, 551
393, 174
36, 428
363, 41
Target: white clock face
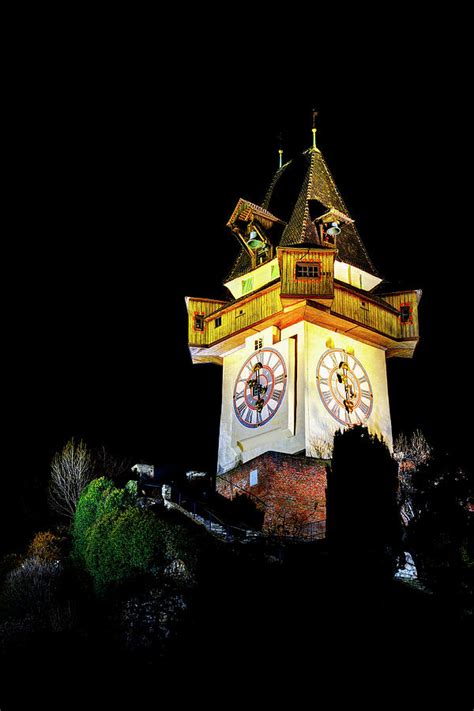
344, 387
260, 388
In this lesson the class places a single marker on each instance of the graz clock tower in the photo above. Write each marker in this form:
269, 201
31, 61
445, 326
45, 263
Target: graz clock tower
303, 342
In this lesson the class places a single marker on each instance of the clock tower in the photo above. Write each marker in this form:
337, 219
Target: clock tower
303, 342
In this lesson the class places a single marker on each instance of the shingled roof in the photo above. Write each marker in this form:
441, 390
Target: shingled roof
318, 185
298, 189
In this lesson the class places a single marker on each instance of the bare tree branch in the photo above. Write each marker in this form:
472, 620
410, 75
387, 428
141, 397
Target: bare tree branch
71, 470
106, 464
320, 448
414, 448
411, 452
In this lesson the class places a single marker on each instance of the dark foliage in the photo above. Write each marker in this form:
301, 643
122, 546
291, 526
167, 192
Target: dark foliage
441, 532
48, 546
116, 540
363, 520
117, 469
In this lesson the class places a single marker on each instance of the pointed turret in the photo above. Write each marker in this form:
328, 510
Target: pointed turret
317, 196
310, 212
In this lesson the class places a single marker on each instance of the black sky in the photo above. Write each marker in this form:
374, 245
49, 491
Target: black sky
127, 165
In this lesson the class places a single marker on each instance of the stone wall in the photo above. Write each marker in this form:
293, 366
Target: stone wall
290, 489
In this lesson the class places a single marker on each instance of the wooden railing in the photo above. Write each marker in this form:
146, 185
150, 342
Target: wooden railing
221, 321
242, 314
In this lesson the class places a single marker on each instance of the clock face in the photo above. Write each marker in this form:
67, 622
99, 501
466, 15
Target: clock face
260, 388
344, 387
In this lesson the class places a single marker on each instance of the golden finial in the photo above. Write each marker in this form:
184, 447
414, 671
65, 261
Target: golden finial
315, 113
280, 150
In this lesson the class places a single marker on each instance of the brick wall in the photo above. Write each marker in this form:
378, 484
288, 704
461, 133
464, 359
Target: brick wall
290, 489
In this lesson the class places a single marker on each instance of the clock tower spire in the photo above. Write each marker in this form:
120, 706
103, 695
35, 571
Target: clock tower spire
303, 340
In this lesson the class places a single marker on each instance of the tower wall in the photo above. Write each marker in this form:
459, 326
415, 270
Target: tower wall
285, 432
320, 425
303, 423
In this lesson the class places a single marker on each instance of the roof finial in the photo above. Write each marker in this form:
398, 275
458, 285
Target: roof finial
280, 150
315, 113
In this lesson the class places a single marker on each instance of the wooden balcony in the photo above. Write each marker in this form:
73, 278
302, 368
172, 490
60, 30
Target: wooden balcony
378, 321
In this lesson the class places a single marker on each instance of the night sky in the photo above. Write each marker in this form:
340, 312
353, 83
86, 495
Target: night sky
125, 174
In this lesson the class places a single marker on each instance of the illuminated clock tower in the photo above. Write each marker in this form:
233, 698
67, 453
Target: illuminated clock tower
303, 342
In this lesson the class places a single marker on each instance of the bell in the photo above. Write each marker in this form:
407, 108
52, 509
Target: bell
255, 241
334, 230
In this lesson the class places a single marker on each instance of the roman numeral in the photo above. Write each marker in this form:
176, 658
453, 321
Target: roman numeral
270, 356
259, 418
248, 417
324, 381
239, 396
241, 408
327, 396
276, 395
334, 360
335, 410
280, 379
365, 393
364, 407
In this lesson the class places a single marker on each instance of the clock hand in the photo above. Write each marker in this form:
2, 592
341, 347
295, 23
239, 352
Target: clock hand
343, 378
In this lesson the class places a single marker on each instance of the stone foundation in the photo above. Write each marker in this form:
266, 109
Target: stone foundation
290, 489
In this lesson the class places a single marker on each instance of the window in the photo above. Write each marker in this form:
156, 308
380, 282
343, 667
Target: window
254, 477
218, 322
199, 322
308, 270
405, 313
258, 344
247, 285
364, 305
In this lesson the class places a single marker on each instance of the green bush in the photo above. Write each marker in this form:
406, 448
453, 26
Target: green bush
114, 540
87, 512
122, 545
99, 498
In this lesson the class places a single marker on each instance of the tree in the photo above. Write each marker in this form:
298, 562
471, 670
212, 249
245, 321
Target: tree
363, 521
100, 497
71, 471
47, 547
440, 533
414, 448
115, 540
412, 452
122, 545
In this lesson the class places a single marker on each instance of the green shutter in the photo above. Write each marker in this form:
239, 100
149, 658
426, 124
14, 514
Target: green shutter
247, 285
